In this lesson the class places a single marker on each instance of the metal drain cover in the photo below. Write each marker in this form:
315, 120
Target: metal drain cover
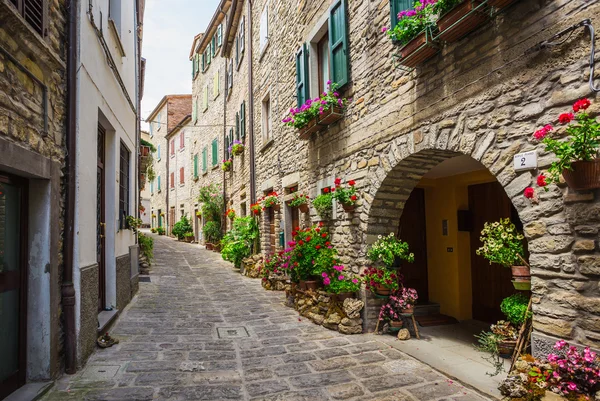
145, 280
232, 332
100, 372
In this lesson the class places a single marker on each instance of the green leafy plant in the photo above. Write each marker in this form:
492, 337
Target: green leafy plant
226, 166
441, 7
212, 202
299, 199
238, 243
515, 308
153, 230
146, 246
339, 281
212, 232
305, 251
412, 22
301, 116
182, 227
189, 234
502, 243
387, 249
133, 223
144, 142
344, 195
269, 200
160, 230
323, 204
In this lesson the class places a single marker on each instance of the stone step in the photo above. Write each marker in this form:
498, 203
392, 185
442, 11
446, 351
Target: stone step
430, 308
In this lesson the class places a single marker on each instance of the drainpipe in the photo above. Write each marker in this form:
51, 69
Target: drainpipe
251, 109
68, 289
168, 156
225, 132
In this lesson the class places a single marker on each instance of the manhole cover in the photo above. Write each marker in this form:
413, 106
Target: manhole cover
99, 372
232, 332
145, 280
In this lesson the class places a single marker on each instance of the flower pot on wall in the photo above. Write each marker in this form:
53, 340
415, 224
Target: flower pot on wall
209, 246
583, 175
311, 128
459, 21
348, 208
381, 290
521, 277
312, 285
408, 311
303, 208
331, 115
417, 51
506, 348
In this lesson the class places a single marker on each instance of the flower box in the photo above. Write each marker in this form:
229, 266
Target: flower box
417, 50
583, 175
348, 208
331, 115
303, 208
461, 20
311, 128
500, 3
145, 150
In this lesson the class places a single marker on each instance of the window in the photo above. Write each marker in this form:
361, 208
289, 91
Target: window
227, 143
323, 63
215, 152
172, 181
203, 62
216, 84
396, 6
182, 140
195, 110
124, 184
172, 147
158, 183
213, 46
266, 119
158, 121
181, 175
33, 11
208, 56
230, 74
158, 152
205, 98
302, 93
243, 120
196, 166
194, 65
264, 28
242, 34
237, 126
114, 13
338, 43
151, 130
220, 35
204, 159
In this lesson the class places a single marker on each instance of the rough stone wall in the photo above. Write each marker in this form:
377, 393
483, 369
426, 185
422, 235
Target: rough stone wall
479, 96
88, 328
123, 265
180, 194
21, 115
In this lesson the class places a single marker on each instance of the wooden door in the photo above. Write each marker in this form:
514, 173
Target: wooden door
490, 283
171, 220
295, 217
101, 220
412, 230
13, 283
272, 235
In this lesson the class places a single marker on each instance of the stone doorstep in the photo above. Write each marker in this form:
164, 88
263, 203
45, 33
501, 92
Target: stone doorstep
30, 391
106, 319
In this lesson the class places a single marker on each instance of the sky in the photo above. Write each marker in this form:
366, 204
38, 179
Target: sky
169, 29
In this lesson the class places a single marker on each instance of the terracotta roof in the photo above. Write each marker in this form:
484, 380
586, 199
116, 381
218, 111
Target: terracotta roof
179, 125
177, 108
162, 103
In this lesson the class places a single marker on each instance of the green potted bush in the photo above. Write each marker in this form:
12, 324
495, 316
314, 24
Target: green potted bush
389, 251
300, 201
182, 227
271, 200
502, 244
346, 196
160, 230
212, 234
323, 204
188, 237
226, 166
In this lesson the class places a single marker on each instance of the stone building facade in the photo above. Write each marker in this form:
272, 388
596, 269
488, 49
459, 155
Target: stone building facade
180, 176
480, 96
33, 74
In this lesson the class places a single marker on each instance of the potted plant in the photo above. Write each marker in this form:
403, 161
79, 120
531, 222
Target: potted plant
182, 227
346, 196
237, 244
578, 160
458, 17
230, 213
153, 230
226, 166
315, 114
162, 215
153, 215
414, 33
516, 308
406, 299
188, 237
498, 343
389, 250
236, 148
199, 214
502, 244
341, 284
271, 200
212, 234
311, 254
256, 208
300, 201
380, 281
324, 204
160, 230
400, 303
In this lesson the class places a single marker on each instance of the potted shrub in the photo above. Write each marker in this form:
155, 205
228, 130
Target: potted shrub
256, 208
236, 148
153, 215
414, 33
212, 234
237, 244
346, 196
271, 200
324, 204
153, 230
380, 281
502, 244
189, 237
311, 254
182, 227
498, 343
340, 284
300, 201
406, 299
516, 309
230, 213
577, 155
160, 230
389, 250
458, 17
400, 303
226, 166
316, 114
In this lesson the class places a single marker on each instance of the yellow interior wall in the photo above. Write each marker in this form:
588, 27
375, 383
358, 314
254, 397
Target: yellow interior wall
449, 273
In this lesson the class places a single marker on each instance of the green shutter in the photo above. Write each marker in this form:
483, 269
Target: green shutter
302, 92
237, 126
194, 110
213, 45
243, 120
207, 55
204, 159
159, 183
220, 35
338, 43
215, 152
396, 6
194, 67
230, 142
196, 165
226, 147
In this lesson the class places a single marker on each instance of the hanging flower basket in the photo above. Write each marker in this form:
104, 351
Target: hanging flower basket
331, 115
460, 20
311, 128
237, 148
583, 175
348, 208
418, 50
500, 3
303, 208
226, 166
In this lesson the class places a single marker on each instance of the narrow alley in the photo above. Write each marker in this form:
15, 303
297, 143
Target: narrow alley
185, 337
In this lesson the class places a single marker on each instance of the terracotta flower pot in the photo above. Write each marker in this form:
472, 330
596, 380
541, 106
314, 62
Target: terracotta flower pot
311, 128
459, 21
500, 3
506, 348
331, 115
583, 175
381, 290
522, 285
209, 246
303, 208
302, 285
419, 50
397, 324
409, 311
348, 208
521, 273
312, 285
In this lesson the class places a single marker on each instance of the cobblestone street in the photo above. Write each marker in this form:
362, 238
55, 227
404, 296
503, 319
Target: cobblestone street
201, 331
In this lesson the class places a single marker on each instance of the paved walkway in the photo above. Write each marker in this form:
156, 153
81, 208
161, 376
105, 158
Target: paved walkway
201, 331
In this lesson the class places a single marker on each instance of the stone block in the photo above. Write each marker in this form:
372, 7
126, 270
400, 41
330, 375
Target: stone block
589, 264
583, 245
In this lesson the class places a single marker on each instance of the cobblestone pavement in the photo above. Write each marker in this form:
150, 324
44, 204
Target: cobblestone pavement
201, 331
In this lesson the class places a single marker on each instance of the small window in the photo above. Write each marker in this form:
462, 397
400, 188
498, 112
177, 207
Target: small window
33, 12
182, 140
151, 130
264, 28
172, 180
266, 119
215, 152
205, 99
323, 63
124, 184
181, 175
172, 146
158, 121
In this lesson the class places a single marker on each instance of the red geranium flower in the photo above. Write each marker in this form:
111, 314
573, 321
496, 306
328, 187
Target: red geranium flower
529, 192
318, 247
297, 228
565, 118
308, 239
332, 189
337, 181
300, 242
294, 233
541, 180
353, 197
351, 183
327, 243
326, 190
581, 104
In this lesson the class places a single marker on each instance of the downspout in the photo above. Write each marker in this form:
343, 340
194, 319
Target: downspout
251, 109
225, 131
168, 156
68, 289
137, 193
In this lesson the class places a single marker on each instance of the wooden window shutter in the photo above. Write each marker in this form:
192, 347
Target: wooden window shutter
302, 93
158, 183
237, 50
181, 176
203, 62
215, 152
204, 159
231, 74
338, 43
213, 46
207, 51
172, 180
237, 126
196, 165
243, 120
242, 34
396, 6
195, 111
194, 67
172, 147
181, 140
220, 35
230, 143
226, 147
33, 13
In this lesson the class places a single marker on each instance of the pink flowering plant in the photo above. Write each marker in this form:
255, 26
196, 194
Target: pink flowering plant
275, 264
574, 372
339, 280
412, 22
301, 116
236, 148
582, 142
400, 300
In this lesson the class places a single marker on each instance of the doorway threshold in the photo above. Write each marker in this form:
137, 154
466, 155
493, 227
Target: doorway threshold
105, 319
30, 391
450, 349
